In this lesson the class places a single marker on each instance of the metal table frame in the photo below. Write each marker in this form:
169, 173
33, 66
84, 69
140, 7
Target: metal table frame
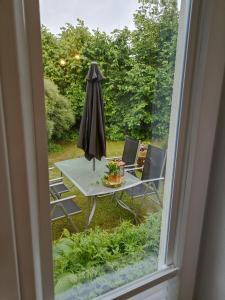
79, 172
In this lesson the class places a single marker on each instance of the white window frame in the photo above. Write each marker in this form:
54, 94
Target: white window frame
23, 153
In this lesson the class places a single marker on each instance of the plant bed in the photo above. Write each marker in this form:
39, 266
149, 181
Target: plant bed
83, 257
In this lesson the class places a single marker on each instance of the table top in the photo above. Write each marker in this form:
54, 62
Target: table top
80, 172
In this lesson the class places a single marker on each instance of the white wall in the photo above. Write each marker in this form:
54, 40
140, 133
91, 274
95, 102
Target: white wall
210, 284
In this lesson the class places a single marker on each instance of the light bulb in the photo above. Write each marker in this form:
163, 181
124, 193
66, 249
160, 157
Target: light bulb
62, 62
77, 56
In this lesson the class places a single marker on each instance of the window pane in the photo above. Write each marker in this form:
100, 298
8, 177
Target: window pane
106, 214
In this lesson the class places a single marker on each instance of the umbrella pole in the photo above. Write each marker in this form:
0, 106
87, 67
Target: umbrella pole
94, 164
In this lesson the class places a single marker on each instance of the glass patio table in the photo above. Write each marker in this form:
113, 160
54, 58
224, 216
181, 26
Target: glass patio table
80, 173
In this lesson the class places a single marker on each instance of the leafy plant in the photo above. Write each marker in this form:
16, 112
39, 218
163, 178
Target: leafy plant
58, 110
113, 168
52, 147
82, 257
107, 281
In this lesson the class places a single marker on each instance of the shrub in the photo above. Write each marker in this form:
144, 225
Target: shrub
138, 67
106, 282
59, 112
81, 257
52, 147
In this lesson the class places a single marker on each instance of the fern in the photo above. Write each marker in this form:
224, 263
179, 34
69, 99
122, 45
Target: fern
82, 257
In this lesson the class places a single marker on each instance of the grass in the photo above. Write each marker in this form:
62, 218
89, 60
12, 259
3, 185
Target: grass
107, 214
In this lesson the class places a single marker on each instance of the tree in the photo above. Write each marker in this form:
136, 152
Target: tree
138, 67
58, 110
50, 54
157, 23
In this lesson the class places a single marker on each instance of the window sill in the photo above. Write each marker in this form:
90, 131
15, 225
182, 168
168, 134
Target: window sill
140, 285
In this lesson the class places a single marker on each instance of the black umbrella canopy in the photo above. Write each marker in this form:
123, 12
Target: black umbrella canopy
92, 127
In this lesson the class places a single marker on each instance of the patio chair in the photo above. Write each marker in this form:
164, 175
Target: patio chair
129, 152
57, 187
152, 173
128, 157
64, 207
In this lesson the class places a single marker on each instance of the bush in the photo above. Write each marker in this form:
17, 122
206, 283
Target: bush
52, 147
59, 112
81, 257
138, 67
108, 281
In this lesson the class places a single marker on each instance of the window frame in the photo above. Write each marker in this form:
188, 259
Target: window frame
22, 125
204, 90
20, 56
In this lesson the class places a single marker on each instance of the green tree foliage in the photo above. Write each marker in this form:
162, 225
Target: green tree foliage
155, 45
59, 112
138, 67
50, 53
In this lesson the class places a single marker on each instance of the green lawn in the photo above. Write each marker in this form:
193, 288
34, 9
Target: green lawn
107, 214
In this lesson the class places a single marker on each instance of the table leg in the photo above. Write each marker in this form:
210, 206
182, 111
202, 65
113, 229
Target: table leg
91, 209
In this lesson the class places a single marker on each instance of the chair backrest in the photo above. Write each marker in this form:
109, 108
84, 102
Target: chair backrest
154, 165
130, 151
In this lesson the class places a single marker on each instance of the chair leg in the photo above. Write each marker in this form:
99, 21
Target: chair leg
145, 195
68, 218
157, 194
54, 196
52, 211
114, 197
72, 224
150, 190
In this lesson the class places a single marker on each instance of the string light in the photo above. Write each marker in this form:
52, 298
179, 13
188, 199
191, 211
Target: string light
77, 56
62, 62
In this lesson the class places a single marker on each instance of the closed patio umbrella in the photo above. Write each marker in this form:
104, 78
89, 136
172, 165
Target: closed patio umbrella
92, 127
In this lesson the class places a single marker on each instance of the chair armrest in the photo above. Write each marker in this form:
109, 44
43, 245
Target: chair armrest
63, 199
152, 180
146, 181
54, 184
111, 158
133, 169
56, 179
51, 168
130, 166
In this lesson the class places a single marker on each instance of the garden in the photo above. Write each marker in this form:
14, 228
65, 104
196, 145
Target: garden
138, 67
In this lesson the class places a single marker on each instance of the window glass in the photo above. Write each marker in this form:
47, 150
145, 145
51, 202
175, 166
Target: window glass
106, 214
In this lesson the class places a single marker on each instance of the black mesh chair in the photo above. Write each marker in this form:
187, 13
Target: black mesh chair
152, 173
129, 152
64, 207
57, 187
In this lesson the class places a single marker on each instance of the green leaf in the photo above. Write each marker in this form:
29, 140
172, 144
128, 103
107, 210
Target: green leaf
65, 282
